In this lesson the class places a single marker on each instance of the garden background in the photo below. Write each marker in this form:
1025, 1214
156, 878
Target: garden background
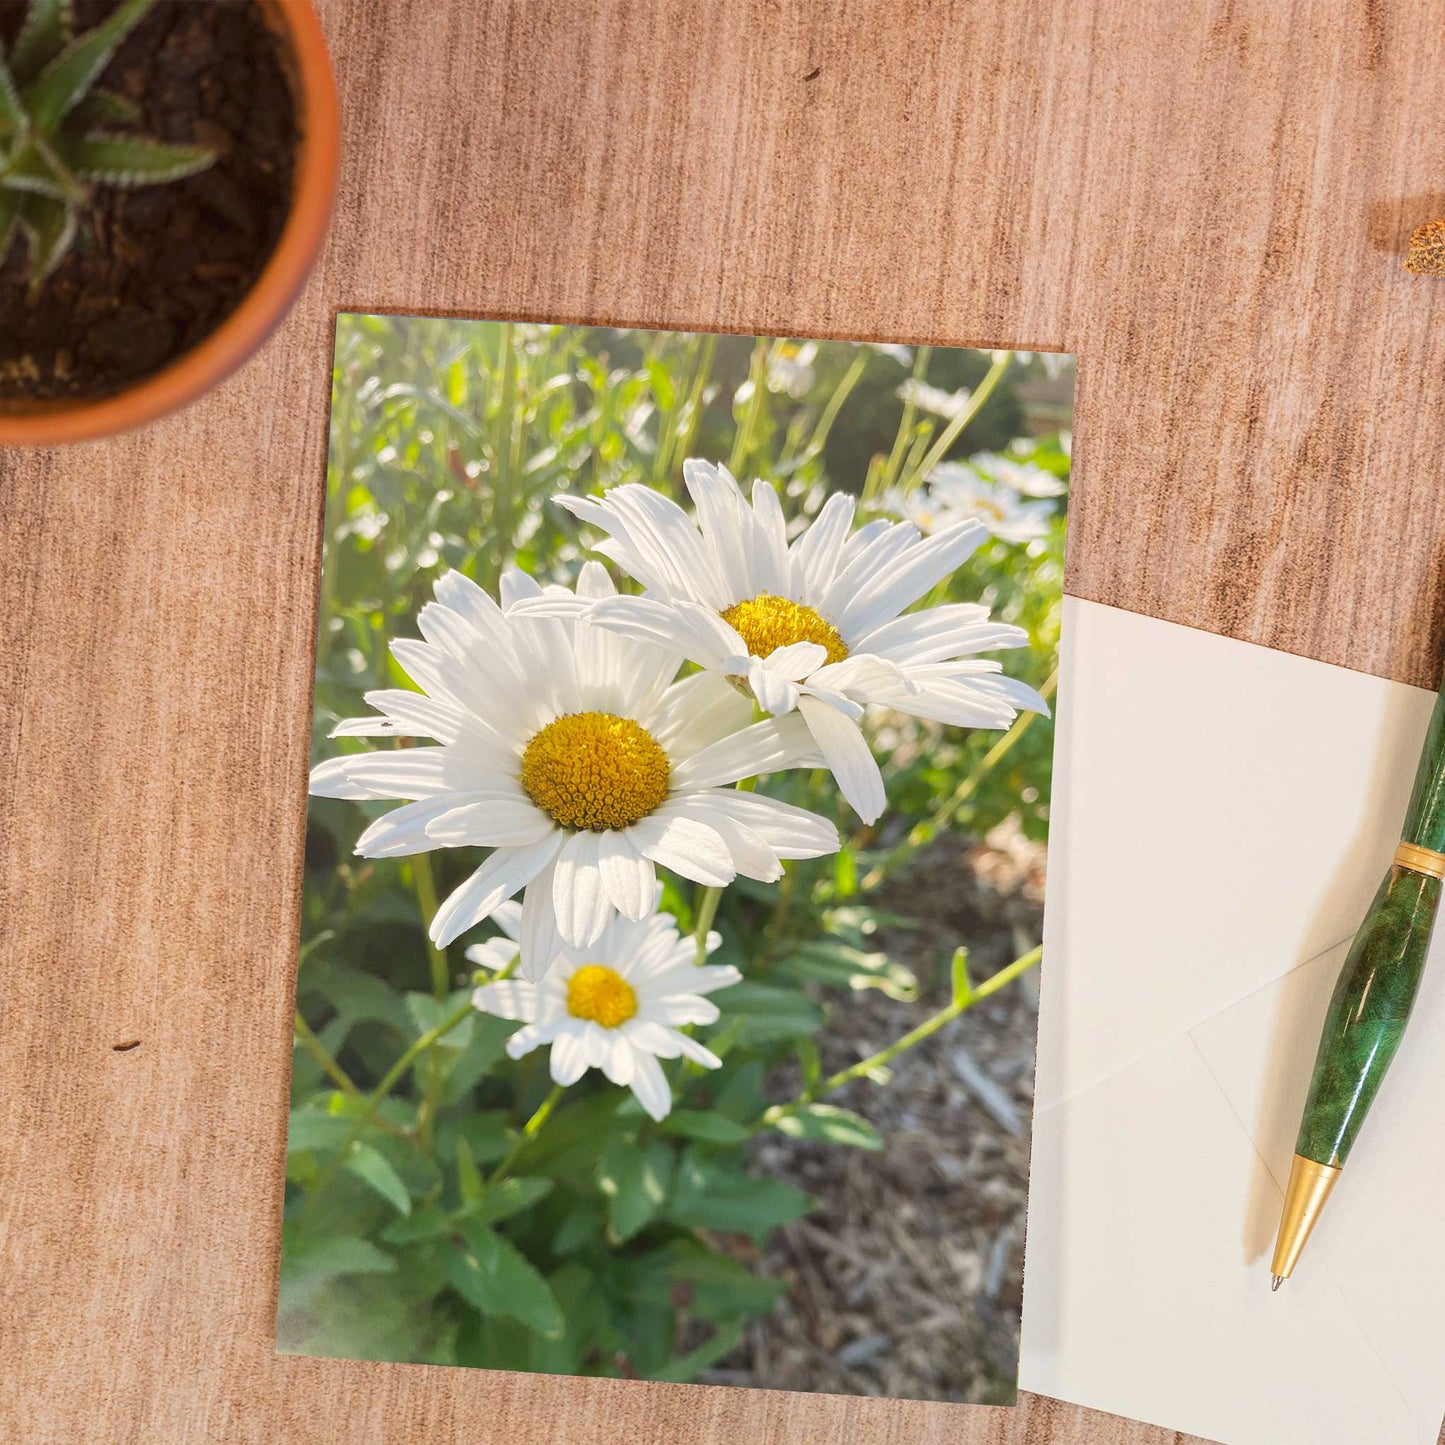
783, 1227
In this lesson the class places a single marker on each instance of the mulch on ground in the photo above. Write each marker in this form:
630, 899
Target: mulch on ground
906, 1280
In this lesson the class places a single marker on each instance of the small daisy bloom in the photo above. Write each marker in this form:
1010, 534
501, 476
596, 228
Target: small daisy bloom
617, 1005
956, 491
814, 627
572, 754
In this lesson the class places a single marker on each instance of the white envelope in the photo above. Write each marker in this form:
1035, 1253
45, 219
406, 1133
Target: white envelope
1223, 814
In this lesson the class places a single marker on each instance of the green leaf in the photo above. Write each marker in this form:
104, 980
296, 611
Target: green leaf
63, 82
769, 1013
716, 1194
424, 1222
373, 1169
469, 1181
11, 204
494, 1278
509, 1197
634, 1179
844, 966
105, 107
49, 226
486, 1046
704, 1124
131, 161
311, 1129
35, 167
722, 1288
830, 1124
49, 24
12, 111
310, 1261
704, 1357
356, 996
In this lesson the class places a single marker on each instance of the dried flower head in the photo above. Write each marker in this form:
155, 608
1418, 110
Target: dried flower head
1426, 256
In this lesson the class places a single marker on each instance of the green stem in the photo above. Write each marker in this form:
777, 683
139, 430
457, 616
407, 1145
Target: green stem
758, 378
883, 479
951, 432
374, 1100
318, 1051
818, 440
426, 896
706, 912
529, 1131
944, 814
963, 1000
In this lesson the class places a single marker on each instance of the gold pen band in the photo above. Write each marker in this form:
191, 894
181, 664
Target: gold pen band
1420, 860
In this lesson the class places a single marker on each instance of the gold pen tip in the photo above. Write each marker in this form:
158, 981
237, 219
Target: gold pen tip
1275, 1280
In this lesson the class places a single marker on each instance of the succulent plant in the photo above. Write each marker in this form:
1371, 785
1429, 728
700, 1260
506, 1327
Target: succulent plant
57, 140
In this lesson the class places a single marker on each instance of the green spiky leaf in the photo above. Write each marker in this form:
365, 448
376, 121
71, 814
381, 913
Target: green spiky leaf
105, 107
49, 25
12, 112
133, 160
64, 81
36, 167
49, 226
11, 204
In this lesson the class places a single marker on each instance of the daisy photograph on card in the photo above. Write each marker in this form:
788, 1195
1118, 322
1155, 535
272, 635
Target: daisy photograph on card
674, 879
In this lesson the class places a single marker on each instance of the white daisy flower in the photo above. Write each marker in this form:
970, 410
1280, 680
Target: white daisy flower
617, 1005
572, 754
1027, 478
955, 492
934, 399
815, 626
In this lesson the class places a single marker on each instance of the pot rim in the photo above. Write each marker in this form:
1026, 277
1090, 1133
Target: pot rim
260, 310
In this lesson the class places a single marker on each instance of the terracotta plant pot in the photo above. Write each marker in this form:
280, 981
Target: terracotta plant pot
313, 87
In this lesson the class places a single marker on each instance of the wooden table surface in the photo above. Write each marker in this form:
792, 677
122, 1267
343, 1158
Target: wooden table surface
1205, 200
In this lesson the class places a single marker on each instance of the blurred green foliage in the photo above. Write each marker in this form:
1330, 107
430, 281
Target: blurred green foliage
430, 1228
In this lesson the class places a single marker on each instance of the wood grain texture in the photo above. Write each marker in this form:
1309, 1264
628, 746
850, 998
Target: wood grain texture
1206, 200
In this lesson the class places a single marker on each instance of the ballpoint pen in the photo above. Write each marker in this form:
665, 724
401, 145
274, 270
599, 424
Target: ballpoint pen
1370, 1005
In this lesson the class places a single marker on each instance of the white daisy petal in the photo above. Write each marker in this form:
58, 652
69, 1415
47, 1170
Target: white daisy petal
524, 1041
920, 569
774, 693
403, 831
493, 955
629, 879
649, 1084
569, 1055
764, 747
505, 872
405, 715
495, 820
796, 660
508, 917
620, 1062
509, 999
686, 846
819, 551
698, 711
720, 508
577, 893
537, 926
848, 755
792, 832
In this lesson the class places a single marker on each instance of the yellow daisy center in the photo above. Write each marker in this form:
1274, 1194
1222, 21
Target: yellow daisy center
595, 771
767, 623
600, 994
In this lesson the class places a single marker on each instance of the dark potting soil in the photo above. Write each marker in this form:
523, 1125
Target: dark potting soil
154, 271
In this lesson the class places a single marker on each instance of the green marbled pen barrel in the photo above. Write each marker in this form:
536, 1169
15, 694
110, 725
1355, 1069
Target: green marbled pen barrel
1370, 1005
